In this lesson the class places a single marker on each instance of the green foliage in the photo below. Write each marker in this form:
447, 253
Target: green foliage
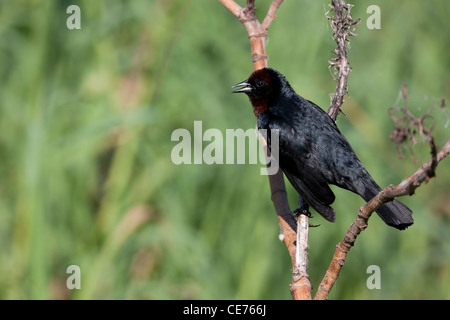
86, 118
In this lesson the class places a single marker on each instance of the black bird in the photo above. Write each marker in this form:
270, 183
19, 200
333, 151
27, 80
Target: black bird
313, 153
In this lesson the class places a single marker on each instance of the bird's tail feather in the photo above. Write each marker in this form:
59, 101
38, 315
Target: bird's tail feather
393, 213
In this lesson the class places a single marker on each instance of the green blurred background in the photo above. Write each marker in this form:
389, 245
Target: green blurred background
86, 118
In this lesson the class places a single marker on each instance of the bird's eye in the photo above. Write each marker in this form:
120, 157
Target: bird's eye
260, 83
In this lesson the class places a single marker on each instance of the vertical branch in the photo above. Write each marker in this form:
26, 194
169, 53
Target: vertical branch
257, 33
343, 26
301, 287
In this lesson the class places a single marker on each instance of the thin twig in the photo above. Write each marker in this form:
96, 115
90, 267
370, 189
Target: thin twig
407, 128
271, 13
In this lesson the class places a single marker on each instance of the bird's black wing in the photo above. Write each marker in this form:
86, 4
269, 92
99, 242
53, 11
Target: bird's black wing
296, 161
345, 170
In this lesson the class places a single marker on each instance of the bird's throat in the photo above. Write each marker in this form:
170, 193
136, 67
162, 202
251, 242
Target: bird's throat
259, 105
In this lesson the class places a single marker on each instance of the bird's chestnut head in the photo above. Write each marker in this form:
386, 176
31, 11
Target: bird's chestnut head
262, 87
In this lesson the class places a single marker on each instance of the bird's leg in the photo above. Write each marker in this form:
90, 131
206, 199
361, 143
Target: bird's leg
303, 208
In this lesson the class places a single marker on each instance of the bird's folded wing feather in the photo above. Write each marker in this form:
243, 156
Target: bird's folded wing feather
296, 161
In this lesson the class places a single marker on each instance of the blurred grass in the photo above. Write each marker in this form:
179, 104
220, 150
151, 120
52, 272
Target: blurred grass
86, 118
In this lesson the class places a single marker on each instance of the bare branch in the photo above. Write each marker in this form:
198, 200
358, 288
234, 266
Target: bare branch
233, 7
343, 26
271, 13
296, 243
406, 187
300, 287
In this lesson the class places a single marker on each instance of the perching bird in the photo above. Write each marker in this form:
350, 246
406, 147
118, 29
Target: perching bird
313, 153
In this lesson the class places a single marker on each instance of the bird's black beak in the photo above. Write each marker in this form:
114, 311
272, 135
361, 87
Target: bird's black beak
246, 87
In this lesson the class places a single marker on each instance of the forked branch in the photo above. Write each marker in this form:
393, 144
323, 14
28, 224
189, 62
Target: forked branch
257, 33
343, 26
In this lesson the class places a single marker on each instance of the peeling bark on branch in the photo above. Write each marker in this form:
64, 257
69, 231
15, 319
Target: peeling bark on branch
301, 286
